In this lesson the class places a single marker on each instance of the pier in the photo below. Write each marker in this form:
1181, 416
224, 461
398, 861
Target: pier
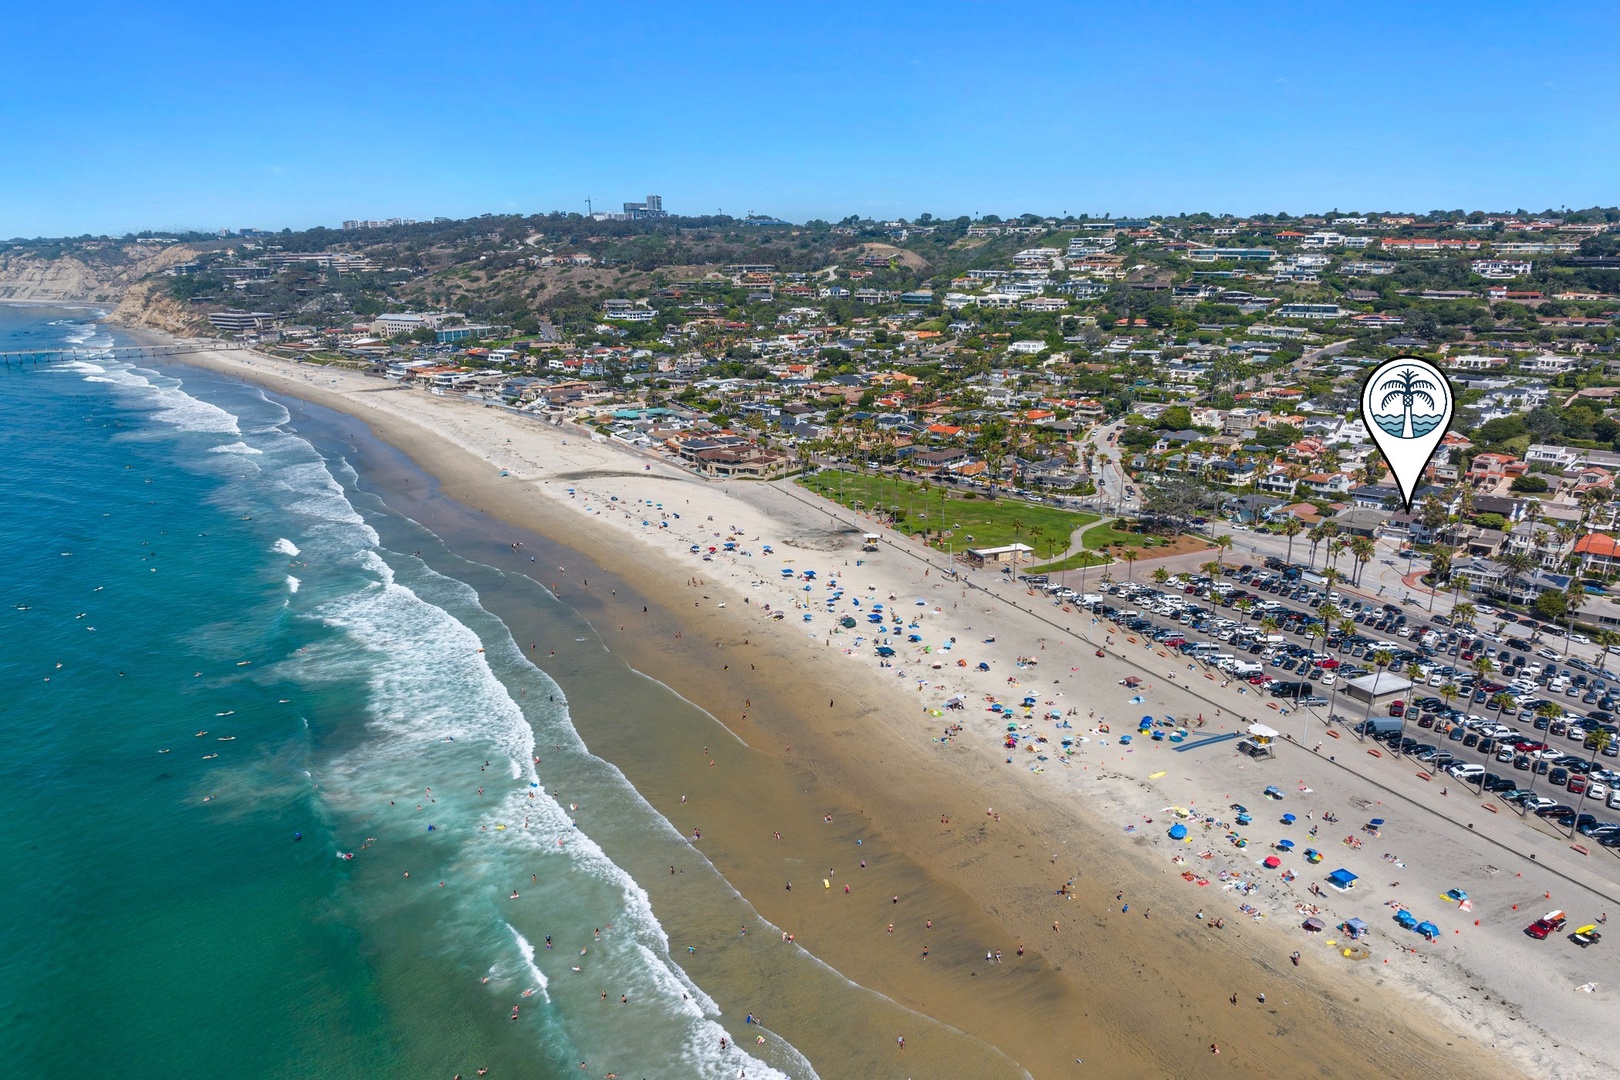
24, 361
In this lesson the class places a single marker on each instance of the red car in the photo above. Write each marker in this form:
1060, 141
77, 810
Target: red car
1548, 924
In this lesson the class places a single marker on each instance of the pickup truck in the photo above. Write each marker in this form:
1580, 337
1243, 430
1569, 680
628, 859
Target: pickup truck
1548, 924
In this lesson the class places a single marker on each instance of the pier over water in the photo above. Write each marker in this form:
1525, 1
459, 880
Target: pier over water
25, 361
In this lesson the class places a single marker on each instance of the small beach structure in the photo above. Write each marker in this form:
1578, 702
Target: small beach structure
1342, 879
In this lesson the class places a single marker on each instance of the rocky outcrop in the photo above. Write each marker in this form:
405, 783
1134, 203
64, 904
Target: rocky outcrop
148, 304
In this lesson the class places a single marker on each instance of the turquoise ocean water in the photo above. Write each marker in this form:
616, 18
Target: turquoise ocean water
220, 683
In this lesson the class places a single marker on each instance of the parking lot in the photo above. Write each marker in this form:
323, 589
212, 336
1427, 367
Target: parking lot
1508, 718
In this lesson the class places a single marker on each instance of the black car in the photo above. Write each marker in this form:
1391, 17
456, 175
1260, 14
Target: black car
1498, 784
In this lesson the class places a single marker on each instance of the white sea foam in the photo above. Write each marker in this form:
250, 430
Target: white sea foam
429, 681
82, 366
172, 405
235, 448
286, 547
526, 950
292, 584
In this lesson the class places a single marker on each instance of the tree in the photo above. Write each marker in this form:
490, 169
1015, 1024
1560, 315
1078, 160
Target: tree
1574, 597
1175, 503
1530, 483
1223, 544
1292, 528
1160, 576
1363, 548
1129, 556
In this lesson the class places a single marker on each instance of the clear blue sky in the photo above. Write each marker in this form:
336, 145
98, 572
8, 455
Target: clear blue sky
298, 114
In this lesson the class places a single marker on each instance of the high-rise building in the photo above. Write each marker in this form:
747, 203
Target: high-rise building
652, 208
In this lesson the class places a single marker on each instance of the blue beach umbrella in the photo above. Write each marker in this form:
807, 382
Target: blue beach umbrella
1178, 831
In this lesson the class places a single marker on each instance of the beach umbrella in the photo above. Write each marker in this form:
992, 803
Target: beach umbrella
1029, 701
1272, 862
913, 637
884, 650
1314, 925
1376, 822
846, 622
1428, 930
1285, 845
1289, 819
1456, 895
1178, 831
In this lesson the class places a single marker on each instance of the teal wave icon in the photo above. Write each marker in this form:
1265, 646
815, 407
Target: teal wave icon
1396, 425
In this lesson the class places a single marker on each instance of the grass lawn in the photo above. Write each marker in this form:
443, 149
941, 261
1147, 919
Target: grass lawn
1073, 562
1105, 535
977, 522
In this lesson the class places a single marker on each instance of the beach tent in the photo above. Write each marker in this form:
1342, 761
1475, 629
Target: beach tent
1178, 831
1456, 895
1428, 930
1354, 927
884, 650
1341, 879
846, 622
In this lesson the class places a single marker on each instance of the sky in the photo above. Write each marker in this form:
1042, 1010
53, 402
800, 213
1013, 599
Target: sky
128, 116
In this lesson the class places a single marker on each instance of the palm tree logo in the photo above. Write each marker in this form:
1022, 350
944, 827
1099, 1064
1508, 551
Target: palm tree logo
1407, 388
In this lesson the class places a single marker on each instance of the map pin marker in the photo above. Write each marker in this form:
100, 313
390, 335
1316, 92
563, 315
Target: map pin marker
1407, 405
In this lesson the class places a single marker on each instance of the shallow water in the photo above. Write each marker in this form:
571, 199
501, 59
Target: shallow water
252, 686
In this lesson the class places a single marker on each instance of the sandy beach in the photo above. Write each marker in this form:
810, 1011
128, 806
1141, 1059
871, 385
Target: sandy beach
1038, 857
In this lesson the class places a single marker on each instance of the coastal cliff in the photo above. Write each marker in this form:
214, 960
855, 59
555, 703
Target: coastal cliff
147, 304
92, 273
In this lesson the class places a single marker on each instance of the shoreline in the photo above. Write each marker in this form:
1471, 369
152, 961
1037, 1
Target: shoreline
1004, 886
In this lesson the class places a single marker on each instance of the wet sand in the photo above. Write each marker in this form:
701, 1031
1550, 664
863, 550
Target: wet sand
1132, 997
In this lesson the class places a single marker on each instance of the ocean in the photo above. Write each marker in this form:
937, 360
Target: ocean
288, 799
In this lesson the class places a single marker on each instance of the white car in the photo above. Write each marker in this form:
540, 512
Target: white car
1327, 678
1580, 639
1597, 790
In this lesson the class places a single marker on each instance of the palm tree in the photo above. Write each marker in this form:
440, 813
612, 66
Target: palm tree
1606, 639
1292, 528
1223, 544
1500, 702
1517, 564
1597, 741
1129, 555
1213, 569
1574, 597
1316, 536
1463, 615
1335, 549
1381, 660
1160, 576
1363, 548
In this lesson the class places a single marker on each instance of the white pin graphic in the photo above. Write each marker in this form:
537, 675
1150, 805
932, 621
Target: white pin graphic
1407, 405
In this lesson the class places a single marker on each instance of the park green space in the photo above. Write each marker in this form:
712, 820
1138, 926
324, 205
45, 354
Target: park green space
970, 522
